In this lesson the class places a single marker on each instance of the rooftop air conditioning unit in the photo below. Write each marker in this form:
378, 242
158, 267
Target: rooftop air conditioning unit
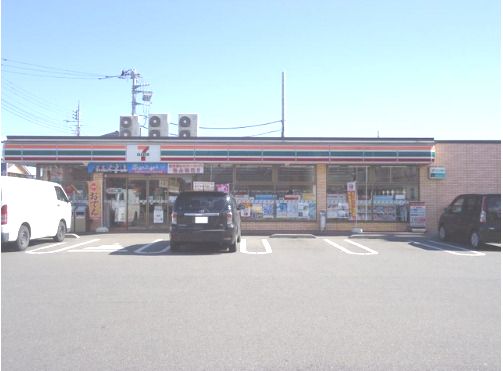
129, 126
158, 125
187, 125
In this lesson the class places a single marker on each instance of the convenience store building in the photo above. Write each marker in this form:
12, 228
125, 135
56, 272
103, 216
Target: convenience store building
291, 184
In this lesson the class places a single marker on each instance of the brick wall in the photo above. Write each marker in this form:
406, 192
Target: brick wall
471, 167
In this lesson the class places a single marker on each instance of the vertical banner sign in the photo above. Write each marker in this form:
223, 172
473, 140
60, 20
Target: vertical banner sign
352, 200
95, 199
417, 213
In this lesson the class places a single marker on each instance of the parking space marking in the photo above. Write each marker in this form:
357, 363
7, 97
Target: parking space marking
267, 246
371, 252
102, 248
142, 249
343, 249
435, 247
265, 243
37, 251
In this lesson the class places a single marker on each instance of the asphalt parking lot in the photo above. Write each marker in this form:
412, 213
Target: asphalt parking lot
158, 244
126, 301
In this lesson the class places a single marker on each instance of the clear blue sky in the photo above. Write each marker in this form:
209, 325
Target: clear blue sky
414, 68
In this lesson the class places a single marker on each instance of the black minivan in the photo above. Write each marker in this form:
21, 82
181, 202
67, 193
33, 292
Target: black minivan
475, 218
205, 217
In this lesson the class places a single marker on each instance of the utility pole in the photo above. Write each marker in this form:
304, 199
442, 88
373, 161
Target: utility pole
135, 85
76, 118
282, 105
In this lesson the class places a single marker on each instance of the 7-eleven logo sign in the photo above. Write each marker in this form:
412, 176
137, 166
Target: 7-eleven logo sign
143, 153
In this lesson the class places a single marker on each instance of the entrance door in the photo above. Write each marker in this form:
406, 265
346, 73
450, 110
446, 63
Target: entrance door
158, 198
137, 203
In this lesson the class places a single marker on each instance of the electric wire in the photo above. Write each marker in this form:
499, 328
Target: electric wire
38, 119
267, 132
37, 70
9, 88
239, 127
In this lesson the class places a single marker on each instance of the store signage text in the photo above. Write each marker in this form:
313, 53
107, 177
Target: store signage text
436, 172
145, 168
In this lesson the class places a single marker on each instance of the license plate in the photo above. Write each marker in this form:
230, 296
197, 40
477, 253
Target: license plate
201, 220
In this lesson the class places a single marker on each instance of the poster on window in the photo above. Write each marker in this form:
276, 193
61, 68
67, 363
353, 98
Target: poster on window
158, 215
94, 199
417, 214
292, 209
203, 186
281, 209
268, 209
222, 187
352, 200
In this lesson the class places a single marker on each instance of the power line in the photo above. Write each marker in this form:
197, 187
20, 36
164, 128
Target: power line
36, 114
267, 132
239, 127
39, 119
27, 96
37, 70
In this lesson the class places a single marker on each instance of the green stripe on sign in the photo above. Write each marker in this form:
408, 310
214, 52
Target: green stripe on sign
108, 153
313, 154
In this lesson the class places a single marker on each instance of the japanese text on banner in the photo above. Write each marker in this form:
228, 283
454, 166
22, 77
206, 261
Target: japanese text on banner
95, 199
352, 200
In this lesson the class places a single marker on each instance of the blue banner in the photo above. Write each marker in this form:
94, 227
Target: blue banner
127, 168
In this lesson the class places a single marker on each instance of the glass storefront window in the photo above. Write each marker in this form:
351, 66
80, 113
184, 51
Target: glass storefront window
276, 192
219, 174
73, 179
116, 202
383, 191
253, 173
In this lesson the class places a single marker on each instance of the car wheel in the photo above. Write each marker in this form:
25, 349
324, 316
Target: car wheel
60, 236
23, 238
442, 233
233, 247
474, 239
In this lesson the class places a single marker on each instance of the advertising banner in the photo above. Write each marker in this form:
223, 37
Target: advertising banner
417, 213
94, 199
352, 200
203, 186
222, 187
187, 168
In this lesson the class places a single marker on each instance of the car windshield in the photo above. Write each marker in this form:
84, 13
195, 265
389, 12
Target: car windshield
201, 203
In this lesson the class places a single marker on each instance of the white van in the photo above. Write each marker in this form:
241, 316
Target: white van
33, 209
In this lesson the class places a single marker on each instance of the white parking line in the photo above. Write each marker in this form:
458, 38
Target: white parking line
265, 243
267, 246
470, 252
343, 249
102, 248
371, 252
37, 251
144, 247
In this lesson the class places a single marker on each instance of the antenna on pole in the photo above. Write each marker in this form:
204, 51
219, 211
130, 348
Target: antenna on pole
135, 88
76, 118
282, 105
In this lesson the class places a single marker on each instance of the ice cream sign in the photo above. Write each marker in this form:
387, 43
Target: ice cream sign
143, 153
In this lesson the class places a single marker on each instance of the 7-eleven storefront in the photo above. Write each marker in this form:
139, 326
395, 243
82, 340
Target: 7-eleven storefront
286, 185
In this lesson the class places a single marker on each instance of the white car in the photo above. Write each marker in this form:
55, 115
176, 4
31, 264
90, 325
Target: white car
33, 209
